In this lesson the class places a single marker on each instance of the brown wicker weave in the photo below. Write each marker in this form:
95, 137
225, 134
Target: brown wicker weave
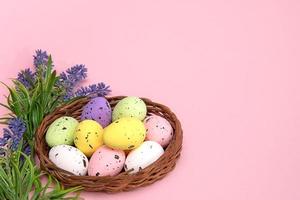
123, 181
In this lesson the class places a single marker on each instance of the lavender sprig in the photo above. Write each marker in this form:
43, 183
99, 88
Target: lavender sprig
71, 78
13, 135
27, 78
41, 58
99, 89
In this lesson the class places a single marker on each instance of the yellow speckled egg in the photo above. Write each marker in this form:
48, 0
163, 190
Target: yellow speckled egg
124, 134
88, 136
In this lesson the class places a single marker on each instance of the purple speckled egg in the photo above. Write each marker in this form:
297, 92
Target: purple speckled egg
98, 109
106, 162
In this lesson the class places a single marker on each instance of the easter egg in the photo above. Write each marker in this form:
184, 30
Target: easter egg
130, 107
124, 134
61, 131
106, 162
69, 159
97, 109
143, 156
158, 129
88, 136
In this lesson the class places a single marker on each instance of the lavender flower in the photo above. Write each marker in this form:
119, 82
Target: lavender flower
17, 126
41, 58
77, 73
14, 133
99, 89
27, 149
26, 77
71, 78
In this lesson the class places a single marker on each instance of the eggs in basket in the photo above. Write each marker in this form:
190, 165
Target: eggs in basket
106, 142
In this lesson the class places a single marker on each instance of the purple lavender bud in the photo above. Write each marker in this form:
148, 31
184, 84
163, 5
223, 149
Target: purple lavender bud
27, 150
26, 77
99, 90
41, 58
17, 126
77, 73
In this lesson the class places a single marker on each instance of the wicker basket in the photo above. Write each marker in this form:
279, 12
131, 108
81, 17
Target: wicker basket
123, 181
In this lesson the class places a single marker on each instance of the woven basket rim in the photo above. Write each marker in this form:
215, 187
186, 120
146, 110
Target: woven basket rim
123, 181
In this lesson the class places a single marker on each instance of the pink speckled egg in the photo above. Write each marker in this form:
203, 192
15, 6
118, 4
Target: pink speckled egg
106, 162
158, 129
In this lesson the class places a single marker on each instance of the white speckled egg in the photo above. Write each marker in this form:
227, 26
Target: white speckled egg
158, 129
143, 156
70, 159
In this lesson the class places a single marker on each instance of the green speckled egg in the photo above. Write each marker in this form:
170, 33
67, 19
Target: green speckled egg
124, 134
61, 131
130, 107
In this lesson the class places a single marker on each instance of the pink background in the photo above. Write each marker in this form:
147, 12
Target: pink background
229, 69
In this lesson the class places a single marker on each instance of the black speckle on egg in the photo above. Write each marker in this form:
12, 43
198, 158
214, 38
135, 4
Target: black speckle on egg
66, 119
117, 157
150, 146
56, 154
84, 163
131, 146
106, 165
116, 122
147, 119
64, 128
101, 108
140, 169
66, 140
97, 174
91, 146
147, 130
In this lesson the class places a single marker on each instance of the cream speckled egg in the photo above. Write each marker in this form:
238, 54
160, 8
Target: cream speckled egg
124, 134
143, 156
70, 159
106, 162
130, 107
88, 136
61, 131
158, 129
